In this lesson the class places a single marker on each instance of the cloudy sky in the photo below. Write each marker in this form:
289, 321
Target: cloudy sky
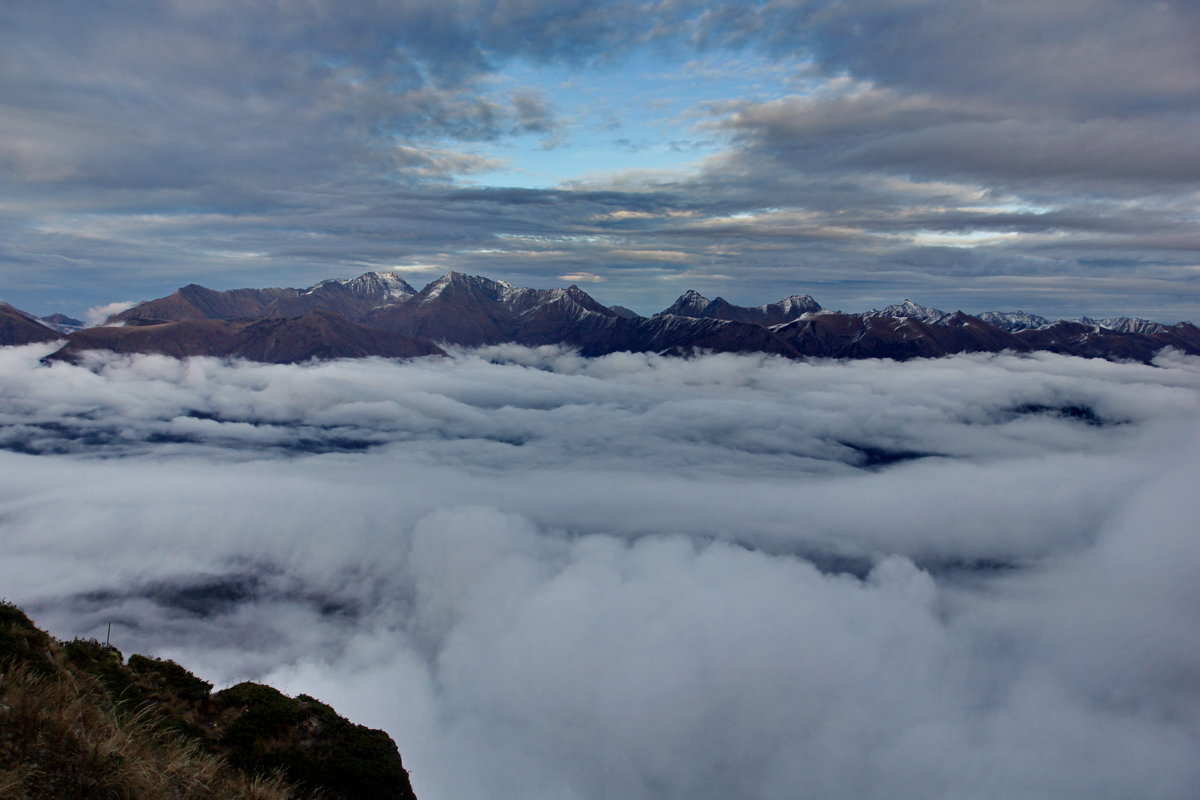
733, 576
976, 155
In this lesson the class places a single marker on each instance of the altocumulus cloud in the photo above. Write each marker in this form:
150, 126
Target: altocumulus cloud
728, 576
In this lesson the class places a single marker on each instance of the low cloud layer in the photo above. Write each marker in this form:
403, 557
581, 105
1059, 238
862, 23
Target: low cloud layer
729, 576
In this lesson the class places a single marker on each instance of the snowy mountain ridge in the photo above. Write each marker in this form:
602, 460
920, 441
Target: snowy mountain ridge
379, 313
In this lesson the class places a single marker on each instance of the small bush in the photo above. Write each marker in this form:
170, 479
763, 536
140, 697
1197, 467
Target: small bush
21, 642
172, 677
104, 663
261, 715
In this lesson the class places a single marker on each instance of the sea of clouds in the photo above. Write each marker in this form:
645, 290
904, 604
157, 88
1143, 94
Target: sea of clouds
729, 576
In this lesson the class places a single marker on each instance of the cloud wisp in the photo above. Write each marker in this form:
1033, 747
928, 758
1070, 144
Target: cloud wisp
554, 577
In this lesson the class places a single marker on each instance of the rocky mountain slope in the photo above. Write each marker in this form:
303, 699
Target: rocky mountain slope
349, 298
17, 327
694, 304
470, 310
62, 323
78, 721
274, 340
380, 314
872, 335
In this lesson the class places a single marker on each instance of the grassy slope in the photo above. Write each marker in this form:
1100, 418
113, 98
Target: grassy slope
77, 721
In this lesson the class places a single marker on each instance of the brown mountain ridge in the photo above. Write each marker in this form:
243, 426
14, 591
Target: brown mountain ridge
379, 314
321, 335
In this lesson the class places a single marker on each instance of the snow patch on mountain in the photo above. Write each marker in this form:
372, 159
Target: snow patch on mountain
497, 290
62, 323
693, 304
1126, 324
1013, 321
796, 304
910, 310
381, 286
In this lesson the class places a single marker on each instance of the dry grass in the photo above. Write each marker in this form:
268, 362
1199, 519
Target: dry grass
62, 740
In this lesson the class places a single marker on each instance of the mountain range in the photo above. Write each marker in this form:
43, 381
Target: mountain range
380, 314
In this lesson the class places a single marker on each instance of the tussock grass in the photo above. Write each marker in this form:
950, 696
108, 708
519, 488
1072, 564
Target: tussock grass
61, 739
77, 721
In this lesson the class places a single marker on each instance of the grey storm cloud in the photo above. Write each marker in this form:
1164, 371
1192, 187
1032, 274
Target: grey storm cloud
637, 576
1110, 55
218, 97
879, 130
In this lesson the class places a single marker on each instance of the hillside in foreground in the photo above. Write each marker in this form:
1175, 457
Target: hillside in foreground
79, 721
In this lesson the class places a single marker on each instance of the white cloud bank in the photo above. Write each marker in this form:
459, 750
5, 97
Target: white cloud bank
733, 576
98, 314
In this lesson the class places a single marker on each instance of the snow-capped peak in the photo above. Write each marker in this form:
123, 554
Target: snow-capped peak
690, 303
494, 288
371, 285
1126, 324
913, 311
797, 304
387, 283
1013, 321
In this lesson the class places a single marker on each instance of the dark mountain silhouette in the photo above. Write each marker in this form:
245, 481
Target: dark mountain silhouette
1096, 341
380, 314
837, 335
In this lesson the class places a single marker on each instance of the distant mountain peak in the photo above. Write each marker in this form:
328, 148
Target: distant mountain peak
62, 323
1126, 324
690, 304
806, 301
461, 281
1014, 321
624, 313
63, 319
693, 304
455, 276
912, 310
383, 286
